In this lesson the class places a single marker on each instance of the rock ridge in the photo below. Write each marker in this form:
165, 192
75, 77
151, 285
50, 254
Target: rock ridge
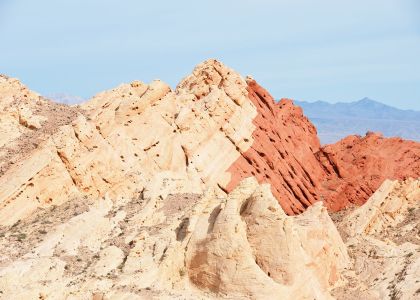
214, 129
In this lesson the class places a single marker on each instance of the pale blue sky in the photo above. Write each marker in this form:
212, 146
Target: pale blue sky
307, 50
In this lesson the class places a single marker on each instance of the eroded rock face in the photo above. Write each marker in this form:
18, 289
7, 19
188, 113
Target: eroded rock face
127, 135
286, 153
357, 166
183, 245
283, 152
26, 120
251, 247
384, 245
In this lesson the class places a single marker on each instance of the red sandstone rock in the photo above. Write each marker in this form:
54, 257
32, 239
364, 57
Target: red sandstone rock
357, 166
283, 152
286, 153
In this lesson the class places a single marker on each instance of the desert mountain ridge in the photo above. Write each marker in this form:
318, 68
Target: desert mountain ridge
365, 108
144, 191
334, 121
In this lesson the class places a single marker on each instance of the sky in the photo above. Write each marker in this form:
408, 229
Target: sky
302, 49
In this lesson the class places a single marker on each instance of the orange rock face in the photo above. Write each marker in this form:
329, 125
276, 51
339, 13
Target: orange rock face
356, 167
283, 153
286, 153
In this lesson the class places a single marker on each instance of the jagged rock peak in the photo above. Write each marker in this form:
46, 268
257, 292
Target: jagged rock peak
213, 75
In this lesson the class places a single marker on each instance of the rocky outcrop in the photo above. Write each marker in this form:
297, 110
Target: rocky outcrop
201, 131
182, 245
127, 135
215, 129
286, 153
384, 245
235, 254
283, 152
26, 120
356, 167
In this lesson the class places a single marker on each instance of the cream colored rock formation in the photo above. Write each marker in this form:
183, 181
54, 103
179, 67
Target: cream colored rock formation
17, 105
188, 245
250, 247
26, 119
383, 241
123, 137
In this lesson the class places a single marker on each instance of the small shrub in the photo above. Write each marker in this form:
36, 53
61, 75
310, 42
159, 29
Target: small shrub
21, 236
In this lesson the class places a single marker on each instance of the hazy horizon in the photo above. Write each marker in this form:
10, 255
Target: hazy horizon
328, 50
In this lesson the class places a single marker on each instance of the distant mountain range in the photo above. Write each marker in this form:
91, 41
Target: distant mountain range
335, 121
65, 98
